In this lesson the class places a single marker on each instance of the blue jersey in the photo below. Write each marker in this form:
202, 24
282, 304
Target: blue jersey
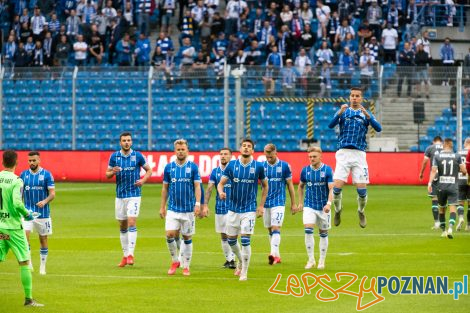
244, 183
277, 175
316, 181
180, 180
130, 173
353, 126
221, 206
36, 188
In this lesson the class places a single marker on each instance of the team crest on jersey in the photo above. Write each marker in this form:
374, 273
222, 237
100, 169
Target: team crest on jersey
322, 174
279, 169
252, 170
133, 158
41, 177
188, 170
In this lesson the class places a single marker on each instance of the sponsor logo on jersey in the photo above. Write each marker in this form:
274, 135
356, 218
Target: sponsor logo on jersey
275, 179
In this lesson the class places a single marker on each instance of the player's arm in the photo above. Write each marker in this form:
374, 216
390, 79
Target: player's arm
327, 207
264, 195
148, 173
468, 162
335, 120
220, 187
423, 167
207, 198
112, 168
463, 169
432, 177
300, 196
163, 200
49, 198
371, 119
290, 187
197, 194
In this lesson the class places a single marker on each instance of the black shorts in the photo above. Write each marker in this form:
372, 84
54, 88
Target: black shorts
464, 193
434, 187
447, 197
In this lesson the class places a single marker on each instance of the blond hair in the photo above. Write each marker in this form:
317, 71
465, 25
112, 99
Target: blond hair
181, 141
270, 147
314, 149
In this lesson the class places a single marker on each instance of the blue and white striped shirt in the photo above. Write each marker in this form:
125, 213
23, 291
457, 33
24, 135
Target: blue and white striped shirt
221, 206
277, 175
244, 183
316, 181
36, 188
181, 179
353, 126
130, 173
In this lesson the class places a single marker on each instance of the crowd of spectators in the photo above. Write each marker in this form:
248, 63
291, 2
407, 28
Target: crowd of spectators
292, 39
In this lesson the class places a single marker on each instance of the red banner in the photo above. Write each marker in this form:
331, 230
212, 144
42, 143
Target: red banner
392, 168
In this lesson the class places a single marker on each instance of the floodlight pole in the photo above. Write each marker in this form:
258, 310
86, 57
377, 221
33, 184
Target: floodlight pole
226, 104
458, 96
74, 108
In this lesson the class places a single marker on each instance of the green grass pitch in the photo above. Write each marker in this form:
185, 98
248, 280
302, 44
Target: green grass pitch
84, 250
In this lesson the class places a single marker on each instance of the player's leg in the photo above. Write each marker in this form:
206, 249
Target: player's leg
133, 209
309, 220
461, 205
233, 230
360, 177
18, 244
172, 226
28, 228
277, 218
442, 203
324, 224
220, 225
247, 226
467, 228
452, 201
340, 177
187, 231
267, 225
435, 205
121, 217
43, 227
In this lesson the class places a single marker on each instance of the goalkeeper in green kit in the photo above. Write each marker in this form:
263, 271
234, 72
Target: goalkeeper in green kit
12, 235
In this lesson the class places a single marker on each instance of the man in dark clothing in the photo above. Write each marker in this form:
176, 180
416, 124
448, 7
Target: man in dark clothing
405, 69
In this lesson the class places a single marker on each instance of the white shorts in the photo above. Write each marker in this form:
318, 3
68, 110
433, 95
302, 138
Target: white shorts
43, 226
240, 223
348, 160
220, 223
321, 219
127, 207
273, 216
184, 222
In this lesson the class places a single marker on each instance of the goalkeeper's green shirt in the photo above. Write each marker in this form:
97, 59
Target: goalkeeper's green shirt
11, 204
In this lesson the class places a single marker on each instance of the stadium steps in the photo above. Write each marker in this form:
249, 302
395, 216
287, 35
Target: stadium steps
397, 115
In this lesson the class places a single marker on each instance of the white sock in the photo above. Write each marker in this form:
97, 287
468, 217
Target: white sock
310, 245
187, 252
180, 253
275, 242
43, 255
361, 203
124, 242
178, 242
337, 201
236, 249
229, 256
171, 243
132, 238
246, 256
323, 247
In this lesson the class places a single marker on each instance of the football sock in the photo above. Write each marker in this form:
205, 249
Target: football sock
275, 242
270, 236
323, 246
26, 281
187, 252
337, 196
460, 211
309, 242
442, 220
246, 253
132, 238
361, 199
435, 210
233, 242
178, 242
171, 243
43, 254
124, 242
452, 218
229, 256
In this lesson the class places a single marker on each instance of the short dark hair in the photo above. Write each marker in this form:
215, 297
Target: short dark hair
124, 134
449, 142
437, 138
33, 153
9, 158
226, 148
356, 88
247, 140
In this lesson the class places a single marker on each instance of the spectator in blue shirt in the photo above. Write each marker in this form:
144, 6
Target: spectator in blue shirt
142, 50
447, 56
